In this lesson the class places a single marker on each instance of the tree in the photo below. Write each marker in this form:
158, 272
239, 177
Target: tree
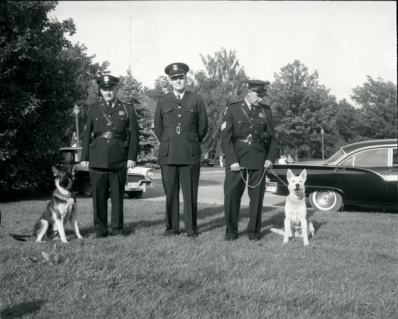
378, 112
162, 86
347, 122
222, 82
42, 77
129, 91
301, 108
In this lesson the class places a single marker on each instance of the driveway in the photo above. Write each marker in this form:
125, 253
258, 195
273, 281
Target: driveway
211, 189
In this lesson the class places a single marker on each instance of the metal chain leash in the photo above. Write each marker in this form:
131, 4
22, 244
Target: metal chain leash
272, 171
247, 180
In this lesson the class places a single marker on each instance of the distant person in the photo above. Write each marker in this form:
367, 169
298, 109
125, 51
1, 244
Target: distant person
290, 159
180, 125
113, 150
282, 160
250, 147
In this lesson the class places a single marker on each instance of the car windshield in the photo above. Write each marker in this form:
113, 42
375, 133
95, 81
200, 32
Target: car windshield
334, 157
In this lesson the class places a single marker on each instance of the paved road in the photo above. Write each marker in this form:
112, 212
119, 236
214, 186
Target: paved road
211, 189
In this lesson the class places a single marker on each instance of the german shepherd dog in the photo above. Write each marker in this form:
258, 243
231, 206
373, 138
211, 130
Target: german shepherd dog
296, 209
60, 209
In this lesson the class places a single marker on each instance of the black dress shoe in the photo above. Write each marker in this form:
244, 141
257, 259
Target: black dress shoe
118, 233
255, 237
170, 232
230, 238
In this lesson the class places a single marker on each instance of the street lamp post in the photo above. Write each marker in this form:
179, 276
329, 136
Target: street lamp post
76, 111
323, 153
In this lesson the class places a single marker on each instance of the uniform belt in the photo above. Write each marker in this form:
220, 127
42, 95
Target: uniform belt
113, 135
181, 128
250, 140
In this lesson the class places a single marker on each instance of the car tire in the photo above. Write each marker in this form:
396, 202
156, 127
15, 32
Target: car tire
134, 194
87, 190
326, 200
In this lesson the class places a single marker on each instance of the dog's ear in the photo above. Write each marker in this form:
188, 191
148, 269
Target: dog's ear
303, 175
289, 174
55, 171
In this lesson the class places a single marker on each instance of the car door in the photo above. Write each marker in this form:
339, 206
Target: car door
392, 178
363, 176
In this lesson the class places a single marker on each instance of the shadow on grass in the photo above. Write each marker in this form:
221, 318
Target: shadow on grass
22, 309
25, 196
278, 221
370, 209
220, 222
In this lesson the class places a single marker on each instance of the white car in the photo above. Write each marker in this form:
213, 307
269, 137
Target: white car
139, 179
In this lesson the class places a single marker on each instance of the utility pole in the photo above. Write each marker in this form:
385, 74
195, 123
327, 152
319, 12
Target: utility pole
323, 153
130, 43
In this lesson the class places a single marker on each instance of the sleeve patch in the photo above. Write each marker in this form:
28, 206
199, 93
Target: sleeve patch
223, 125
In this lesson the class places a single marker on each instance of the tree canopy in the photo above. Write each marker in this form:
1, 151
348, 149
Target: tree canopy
43, 75
221, 83
129, 92
378, 112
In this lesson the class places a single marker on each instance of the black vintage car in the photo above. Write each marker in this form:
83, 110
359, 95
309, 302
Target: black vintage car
208, 162
363, 173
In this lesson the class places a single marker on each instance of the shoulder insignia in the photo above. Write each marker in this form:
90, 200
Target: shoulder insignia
226, 109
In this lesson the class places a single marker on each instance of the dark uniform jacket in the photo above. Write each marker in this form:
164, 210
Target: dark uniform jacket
180, 125
110, 153
236, 126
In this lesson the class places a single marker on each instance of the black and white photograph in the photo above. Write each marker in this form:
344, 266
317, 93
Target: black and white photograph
198, 159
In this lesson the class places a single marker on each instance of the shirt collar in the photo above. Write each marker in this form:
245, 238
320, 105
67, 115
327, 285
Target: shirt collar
113, 104
248, 104
178, 93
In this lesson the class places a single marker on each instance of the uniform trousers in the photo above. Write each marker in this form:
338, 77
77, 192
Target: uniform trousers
234, 186
101, 182
188, 175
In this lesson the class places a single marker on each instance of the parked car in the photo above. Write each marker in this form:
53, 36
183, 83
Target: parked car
139, 179
363, 173
152, 165
208, 162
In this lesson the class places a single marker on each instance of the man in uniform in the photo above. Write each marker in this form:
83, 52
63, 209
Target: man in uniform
180, 125
250, 147
113, 150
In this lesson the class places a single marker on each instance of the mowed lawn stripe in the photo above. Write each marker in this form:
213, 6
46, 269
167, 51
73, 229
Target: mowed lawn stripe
348, 270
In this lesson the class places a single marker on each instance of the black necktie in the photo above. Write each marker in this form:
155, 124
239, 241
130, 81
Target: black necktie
178, 97
110, 105
251, 109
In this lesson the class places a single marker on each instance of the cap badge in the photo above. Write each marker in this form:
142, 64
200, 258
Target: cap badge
121, 113
175, 67
106, 78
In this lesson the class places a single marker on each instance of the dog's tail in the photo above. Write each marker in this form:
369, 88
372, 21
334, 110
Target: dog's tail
21, 237
278, 231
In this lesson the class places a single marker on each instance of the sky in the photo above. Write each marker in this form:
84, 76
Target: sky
343, 41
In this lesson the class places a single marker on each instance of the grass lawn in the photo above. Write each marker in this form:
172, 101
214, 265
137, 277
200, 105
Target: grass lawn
349, 270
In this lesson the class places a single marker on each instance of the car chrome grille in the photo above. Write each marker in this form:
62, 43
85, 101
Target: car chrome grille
134, 178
